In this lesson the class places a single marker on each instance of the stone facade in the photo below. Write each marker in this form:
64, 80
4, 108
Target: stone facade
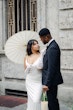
65, 42
56, 15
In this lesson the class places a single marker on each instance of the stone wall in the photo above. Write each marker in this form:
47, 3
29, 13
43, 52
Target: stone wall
0, 43
0, 74
12, 76
57, 15
1, 25
66, 44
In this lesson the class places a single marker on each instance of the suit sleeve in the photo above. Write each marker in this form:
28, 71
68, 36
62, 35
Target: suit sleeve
53, 56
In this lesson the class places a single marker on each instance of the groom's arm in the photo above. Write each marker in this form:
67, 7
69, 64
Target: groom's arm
53, 56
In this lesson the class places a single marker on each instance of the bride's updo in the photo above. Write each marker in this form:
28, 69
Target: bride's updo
29, 46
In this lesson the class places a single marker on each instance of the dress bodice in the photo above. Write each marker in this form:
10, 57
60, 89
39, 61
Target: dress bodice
37, 64
34, 71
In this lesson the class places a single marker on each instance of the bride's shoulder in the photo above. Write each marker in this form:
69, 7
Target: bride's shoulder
26, 56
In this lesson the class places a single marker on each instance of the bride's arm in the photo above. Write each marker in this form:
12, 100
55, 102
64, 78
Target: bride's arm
25, 62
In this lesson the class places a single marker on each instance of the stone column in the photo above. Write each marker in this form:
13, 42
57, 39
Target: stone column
0, 42
52, 17
47, 16
41, 14
3, 37
1, 25
0, 73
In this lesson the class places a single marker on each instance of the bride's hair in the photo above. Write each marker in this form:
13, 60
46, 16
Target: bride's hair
29, 45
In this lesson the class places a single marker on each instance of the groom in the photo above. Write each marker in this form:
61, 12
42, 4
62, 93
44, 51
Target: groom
51, 75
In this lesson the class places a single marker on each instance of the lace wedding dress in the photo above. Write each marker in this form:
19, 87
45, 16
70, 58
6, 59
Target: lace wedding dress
34, 83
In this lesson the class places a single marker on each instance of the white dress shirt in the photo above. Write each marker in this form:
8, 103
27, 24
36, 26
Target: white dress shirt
50, 42
43, 51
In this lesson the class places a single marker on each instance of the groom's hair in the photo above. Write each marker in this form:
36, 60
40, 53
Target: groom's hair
44, 32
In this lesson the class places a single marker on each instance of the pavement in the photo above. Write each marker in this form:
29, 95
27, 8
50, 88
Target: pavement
24, 106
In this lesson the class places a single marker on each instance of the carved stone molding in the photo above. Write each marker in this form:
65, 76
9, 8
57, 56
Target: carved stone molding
65, 4
34, 15
11, 18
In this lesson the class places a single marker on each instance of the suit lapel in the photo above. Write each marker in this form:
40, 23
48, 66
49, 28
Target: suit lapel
45, 58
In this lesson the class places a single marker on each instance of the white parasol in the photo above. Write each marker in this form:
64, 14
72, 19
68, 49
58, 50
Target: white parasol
15, 47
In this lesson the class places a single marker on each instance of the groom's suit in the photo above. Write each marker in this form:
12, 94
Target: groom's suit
51, 75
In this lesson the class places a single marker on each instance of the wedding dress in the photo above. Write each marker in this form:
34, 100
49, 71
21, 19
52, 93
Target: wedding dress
34, 83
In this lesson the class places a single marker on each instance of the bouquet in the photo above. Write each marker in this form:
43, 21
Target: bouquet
44, 101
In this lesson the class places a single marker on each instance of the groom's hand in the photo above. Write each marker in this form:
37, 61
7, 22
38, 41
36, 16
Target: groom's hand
45, 88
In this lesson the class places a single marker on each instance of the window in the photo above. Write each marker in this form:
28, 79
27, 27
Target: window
22, 15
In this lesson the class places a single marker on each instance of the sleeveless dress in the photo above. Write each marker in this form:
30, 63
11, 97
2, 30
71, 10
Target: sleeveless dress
34, 83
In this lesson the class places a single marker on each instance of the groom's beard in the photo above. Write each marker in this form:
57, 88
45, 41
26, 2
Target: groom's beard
45, 43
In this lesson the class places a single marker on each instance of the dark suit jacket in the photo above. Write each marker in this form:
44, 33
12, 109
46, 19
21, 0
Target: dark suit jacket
51, 74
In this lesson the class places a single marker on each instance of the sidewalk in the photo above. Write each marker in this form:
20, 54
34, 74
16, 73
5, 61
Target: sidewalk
23, 106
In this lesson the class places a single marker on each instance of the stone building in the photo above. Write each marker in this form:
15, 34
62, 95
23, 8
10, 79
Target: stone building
17, 15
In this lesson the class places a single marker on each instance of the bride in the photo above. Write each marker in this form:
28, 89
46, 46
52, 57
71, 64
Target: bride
33, 65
